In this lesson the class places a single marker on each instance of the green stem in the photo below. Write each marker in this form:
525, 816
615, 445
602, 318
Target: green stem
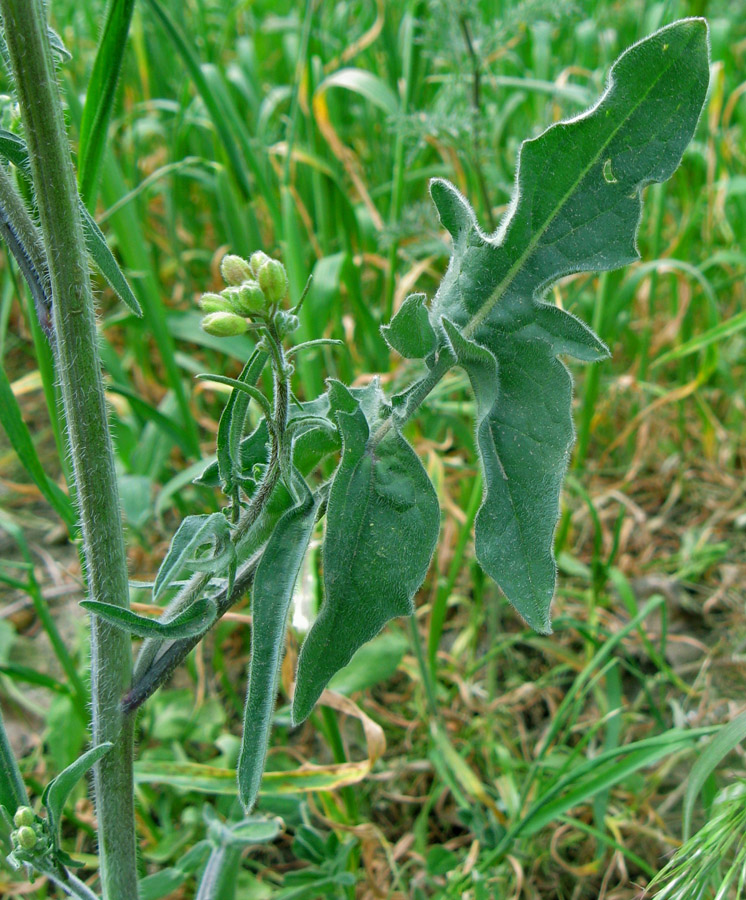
79, 373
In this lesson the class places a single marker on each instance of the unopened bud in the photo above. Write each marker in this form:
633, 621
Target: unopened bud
26, 837
273, 280
287, 322
24, 816
214, 303
234, 269
224, 324
257, 261
249, 299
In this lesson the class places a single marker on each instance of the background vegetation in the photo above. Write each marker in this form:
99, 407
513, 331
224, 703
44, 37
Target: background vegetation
505, 771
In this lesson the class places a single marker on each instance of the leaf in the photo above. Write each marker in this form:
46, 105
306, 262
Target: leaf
727, 739
100, 95
382, 525
271, 595
410, 332
193, 533
58, 790
20, 439
96, 245
14, 148
232, 422
576, 207
372, 664
195, 619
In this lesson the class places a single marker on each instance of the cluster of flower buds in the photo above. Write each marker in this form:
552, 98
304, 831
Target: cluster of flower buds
30, 838
255, 288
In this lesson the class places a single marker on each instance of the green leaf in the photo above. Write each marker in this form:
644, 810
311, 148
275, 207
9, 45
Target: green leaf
195, 619
576, 207
14, 149
271, 595
58, 790
193, 533
100, 94
20, 439
410, 332
727, 739
381, 529
232, 423
372, 664
96, 245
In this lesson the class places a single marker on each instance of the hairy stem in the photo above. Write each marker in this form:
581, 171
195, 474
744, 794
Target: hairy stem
158, 658
24, 241
79, 373
170, 657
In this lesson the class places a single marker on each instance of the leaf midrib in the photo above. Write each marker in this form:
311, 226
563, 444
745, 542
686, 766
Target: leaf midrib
481, 314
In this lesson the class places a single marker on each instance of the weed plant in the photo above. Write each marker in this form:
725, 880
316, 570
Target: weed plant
557, 767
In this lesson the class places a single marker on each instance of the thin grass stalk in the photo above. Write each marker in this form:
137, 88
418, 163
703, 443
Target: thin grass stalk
79, 373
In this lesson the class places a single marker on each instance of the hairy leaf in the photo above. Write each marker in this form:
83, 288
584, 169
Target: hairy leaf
381, 529
195, 619
232, 423
410, 332
13, 148
193, 533
58, 790
576, 207
273, 590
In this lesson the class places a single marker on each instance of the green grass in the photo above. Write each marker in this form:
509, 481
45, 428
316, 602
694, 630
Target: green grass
553, 766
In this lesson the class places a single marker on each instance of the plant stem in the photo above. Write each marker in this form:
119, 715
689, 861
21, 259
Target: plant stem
79, 372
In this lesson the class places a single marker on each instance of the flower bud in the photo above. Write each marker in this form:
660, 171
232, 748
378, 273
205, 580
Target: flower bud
224, 324
26, 837
249, 299
257, 261
214, 303
287, 322
273, 280
234, 269
24, 816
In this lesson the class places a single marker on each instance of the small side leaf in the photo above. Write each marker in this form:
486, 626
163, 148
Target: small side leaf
273, 590
58, 790
410, 332
231, 425
194, 532
96, 245
381, 529
195, 619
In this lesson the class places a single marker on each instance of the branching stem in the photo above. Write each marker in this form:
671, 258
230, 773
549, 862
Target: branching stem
79, 373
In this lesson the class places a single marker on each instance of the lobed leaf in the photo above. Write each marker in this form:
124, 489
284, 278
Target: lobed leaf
576, 207
271, 595
382, 525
